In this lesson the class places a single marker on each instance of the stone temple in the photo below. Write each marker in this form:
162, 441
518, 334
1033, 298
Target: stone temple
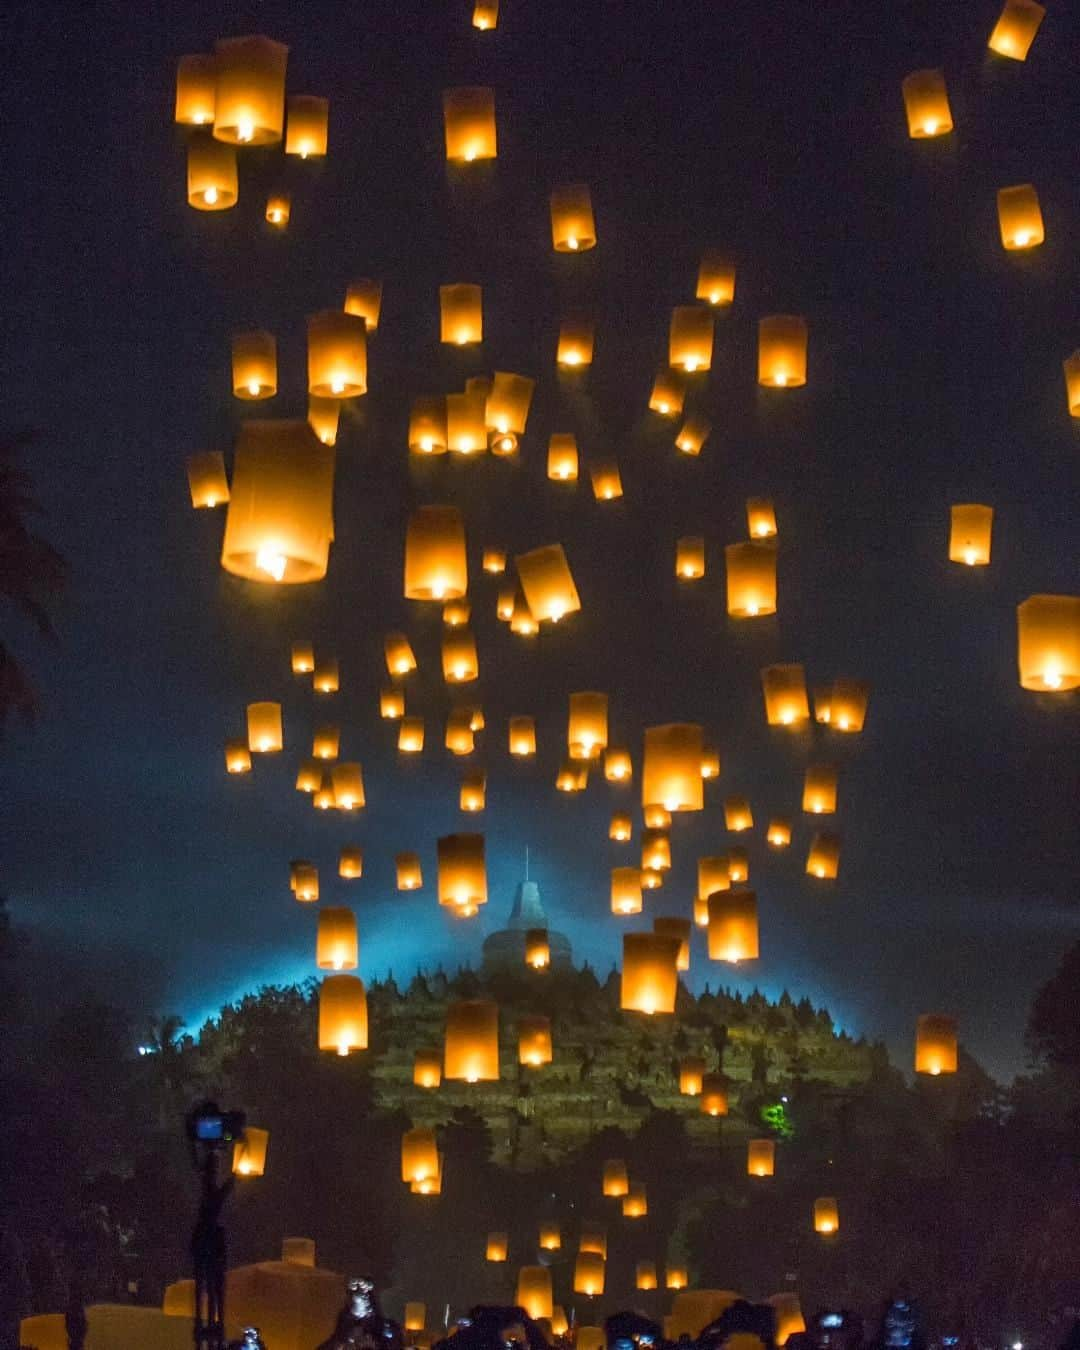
504, 951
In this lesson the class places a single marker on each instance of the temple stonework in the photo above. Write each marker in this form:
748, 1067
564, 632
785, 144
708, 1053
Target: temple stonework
505, 950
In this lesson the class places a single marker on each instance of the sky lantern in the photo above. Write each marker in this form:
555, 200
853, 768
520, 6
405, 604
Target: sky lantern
207, 481
970, 526
309, 776
778, 834
462, 318
348, 781
1020, 217
302, 658
819, 789
398, 651
714, 1097
429, 1185
737, 814
691, 1075
589, 1276
738, 865
249, 1152
1015, 29
676, 1277
635, 1203
473, 792
459, 739
573, 229
336, 946
671, 766
534, 1041
650, 980
307, 129
847, 705
577, 339
606, 481
326, 677
466, 433
655, 849
652, 879
459, 659
786, 703
927, 104
456, 613
826, 1215
469, 121
428, 425
573, 776
498, 1247
615, 1182
508, 403
537, 949
936, 1045
337, 354
324, 414
621, 828
408, 872
264, 728
710, 764
462, 882
237, 757
485, 14
416, 1313
522, 736
693, 434
351, 863
782, 340
323, 799
560, 1324
550, 1237
751, 579
548, 584
733, 926
716, 279
280, 519
212, 180
823, 860
587, 725
436, 566
656, 817
760, 517
593, 1237
427, 1068
668, 394
343, 1016
645, 1275
391, 704
618, 767
690, 557
675, 926
254, 366
626, 890
760, 1157
823, 705
789, 1317
196, 89
471, 1047
1071, 366
419, 1154
326, 742
562, 462
249, 107
363, 298
522, 620
701, 911
304, 880
690, 338
1048, 643
493, 561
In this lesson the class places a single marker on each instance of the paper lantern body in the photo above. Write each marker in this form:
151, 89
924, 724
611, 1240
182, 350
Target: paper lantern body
1015, 30
408, 871
562, 463
534, 1291
471, 1050
249, 107
308, 127
786, 702
249, 1153
733, 926
427, 1068
207, 482
237, 757
573, 229
419, 1155
789, 1317
618, 767
485, 14
782, 341
625, 890
473, 795
635, 1203
547, 582
760, 517
606, 481
280, 520
936, 1047
674, 926
714, 1098
398, 651
469, 123
343, 1018
691, 1075
363, 298
587, 725
324, 415
428, 426
655, 849
264, 728
671, 767
537, 949
823, 860
690, 338
462, 318
326, 677
645, 1275
534, 1041
466, 433
693, 435
716, 279
522, 737
213, 183
1048, 643
621, 828
462, 871
650, 979
416, 1313
497, 1247
751, 579
778, 835
826, 1215
589, 1277
278, 209
690, 557
459, 660
668, 394
737, 815
436, 566
577, 339
927, 104
970, 527
196, 90
254, 369
760, 1157
819, 789
847, 705
550, 1237
351, 863
676, 1277
1020, 217
616, 1179
508, 403
337, 947
337, 355
302, 658
594, 1238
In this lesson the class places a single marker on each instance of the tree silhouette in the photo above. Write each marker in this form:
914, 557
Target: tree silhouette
1053, 1029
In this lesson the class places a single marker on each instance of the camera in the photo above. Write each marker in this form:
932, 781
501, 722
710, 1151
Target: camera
214, 1128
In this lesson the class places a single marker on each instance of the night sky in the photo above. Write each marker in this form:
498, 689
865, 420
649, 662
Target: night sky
775, 131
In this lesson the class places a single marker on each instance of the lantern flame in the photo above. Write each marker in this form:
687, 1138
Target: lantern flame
245, 130
210, 196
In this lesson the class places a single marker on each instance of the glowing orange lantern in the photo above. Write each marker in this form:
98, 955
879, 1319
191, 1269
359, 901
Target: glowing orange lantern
626, 890
522, 736
206, 479
714, 1098
760, 517
249, 106
212, 180
716, 279
196, 90
534, 1041
710, 764
485, 14
606, 481
497, 1247
548, 584
436, 567
363, 298
594, 1239
471, 1049
465, 430
460, 663
348, 784
562, 462
621, 828
786, 703
847, 705
936, 1045
577, 339
782, 340
671, 768
237, 757
324, 414
691, 1074
589, 1275
969, 534
655, 849
337, 947
826, 1215
693, 435
337, 355
587, 725
507, 406
618, 767
400, 659
1020, 217
391, 704
676, 1277
416, 1313
650, 979
550, 1239
927, 104
419, 1155
823, 860
462, 880
778, 834
473, 792
264, 728
738, 864
537, 949
427, 1068
751, 579
760, 1157
304, 881
573, 229
616, 1180
819, 789
428, 426
645, 1275
635, 1204
1048, 643
351, 863
408, 872
249, 1152
469, 120
674, 926
667, 394
789, 1317
411, 735
690, 557
656, 817
343, 1018
326, 677
302, 658
690, 338
733, 926
307, 131
1015, 29
462, 318
254, 366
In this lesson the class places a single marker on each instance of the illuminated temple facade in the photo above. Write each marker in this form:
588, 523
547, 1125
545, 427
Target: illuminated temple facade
504, 951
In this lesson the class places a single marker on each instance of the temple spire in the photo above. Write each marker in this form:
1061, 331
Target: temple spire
526, 862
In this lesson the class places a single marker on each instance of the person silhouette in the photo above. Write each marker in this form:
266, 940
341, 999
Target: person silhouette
208, 1253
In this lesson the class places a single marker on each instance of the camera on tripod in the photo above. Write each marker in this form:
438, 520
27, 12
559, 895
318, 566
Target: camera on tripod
213, 1128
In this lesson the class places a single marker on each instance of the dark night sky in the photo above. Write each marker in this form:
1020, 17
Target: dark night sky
775, 130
